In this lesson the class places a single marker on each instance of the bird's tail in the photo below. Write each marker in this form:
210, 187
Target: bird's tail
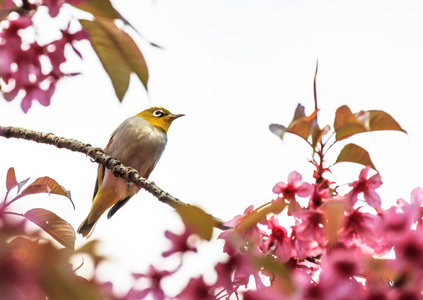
86, 229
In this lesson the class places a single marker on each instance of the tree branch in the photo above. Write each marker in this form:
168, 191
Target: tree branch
98, 155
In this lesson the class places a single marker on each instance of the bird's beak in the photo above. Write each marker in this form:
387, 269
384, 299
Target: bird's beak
175, 116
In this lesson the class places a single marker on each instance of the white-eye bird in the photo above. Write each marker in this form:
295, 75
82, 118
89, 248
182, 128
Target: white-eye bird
138, 142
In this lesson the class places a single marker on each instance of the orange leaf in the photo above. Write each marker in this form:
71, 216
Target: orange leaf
301, 125
55, 226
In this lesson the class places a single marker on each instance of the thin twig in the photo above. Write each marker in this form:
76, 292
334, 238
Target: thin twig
315, 85
100, 157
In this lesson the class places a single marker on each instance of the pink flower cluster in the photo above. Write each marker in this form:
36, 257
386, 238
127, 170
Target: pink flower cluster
376, 253
30, 70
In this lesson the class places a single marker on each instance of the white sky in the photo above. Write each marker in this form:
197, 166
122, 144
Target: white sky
233, 67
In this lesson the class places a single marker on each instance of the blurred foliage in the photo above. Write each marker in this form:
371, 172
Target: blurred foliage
32, 266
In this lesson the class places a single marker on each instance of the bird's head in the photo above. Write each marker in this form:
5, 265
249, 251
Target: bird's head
159, 117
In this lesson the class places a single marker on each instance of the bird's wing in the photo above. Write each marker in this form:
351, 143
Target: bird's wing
117, 206
102, 168
100, 176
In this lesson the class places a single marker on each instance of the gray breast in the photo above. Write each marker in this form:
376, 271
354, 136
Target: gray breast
138, 144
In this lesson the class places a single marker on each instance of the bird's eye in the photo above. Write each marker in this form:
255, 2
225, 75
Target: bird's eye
158, 113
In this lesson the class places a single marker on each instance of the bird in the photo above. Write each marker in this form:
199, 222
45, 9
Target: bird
139, 143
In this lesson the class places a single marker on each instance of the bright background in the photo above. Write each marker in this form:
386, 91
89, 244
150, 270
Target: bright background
233, 67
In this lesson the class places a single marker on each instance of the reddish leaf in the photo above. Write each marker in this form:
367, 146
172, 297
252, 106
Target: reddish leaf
11, 181
347, 124
45, 185
55, 226
356, 154
197, 220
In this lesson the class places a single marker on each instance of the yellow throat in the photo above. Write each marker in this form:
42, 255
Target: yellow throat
159, 117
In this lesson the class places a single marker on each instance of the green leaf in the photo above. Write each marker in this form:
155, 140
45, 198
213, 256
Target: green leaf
280, 272
380, 120
45, 185
91, 248
118, 53
347, 124
260, 214
197, 220
355, 154
4, 13
110, 56
55, 226
334, 213
99, 8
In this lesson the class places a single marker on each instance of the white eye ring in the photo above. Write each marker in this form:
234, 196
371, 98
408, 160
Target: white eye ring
158, 113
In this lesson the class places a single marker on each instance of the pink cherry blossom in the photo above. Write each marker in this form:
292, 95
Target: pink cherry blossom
305, 247
236, 272
278, 241
236, 238
409, 249
55, 5
196, 289
318, 196
338, 268
294, 187
180, 243
396, 222
154, 289
21, 70
367, 188
364, 230
414, 209
311, 226
263, 294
